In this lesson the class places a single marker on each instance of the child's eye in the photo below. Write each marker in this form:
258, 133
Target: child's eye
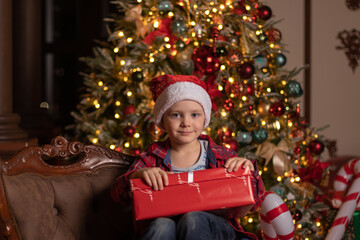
195, 115
175, 115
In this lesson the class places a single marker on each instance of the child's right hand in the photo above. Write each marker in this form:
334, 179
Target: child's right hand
155, 177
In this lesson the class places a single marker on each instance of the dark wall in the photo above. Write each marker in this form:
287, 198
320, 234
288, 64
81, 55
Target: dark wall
49, 36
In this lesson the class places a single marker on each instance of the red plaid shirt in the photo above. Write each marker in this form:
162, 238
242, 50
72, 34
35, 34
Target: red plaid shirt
157, 156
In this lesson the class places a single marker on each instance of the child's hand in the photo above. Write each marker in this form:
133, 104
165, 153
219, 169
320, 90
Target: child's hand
233, 164
155, 177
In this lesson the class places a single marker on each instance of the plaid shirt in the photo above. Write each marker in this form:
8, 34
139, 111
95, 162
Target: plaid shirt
157, 156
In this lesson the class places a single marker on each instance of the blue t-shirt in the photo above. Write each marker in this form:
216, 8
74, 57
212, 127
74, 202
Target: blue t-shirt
201, 162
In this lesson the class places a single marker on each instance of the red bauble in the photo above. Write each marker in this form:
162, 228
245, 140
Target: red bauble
233, 88
273, 35
205, 60
250, 89
214, 32
316, 146
135, 151
129, 109
129, 131
246, 70
297, 150
233, 145
264, 12
229, 104
225, 135
277, 109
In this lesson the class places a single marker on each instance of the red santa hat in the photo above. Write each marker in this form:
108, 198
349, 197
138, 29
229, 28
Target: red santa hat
170, 89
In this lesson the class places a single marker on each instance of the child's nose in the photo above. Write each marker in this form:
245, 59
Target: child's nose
186, 121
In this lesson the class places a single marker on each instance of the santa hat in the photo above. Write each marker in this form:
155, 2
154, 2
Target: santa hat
170, 89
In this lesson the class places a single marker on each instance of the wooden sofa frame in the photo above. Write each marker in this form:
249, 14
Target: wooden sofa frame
89, 169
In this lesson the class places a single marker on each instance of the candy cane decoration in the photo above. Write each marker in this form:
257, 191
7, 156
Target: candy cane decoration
341, 182
350, 170
275, 218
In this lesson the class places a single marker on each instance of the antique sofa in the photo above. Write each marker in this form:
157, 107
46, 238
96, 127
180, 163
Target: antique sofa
61, 191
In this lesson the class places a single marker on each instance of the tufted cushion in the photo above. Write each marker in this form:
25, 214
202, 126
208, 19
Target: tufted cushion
76, 206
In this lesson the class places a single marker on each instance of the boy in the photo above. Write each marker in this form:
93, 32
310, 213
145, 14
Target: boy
183, 109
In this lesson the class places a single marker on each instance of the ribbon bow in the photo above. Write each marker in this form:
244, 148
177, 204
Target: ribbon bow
278, 154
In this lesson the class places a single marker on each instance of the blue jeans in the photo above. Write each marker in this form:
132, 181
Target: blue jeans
192, 225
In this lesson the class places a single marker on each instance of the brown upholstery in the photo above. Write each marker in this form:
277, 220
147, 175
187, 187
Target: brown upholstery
40, 200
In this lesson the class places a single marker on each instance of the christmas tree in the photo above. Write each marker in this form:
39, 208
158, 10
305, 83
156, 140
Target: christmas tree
236, 49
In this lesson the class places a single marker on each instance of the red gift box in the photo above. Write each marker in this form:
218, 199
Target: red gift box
225, 193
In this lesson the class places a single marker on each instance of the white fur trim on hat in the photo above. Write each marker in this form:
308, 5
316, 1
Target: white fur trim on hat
180, 91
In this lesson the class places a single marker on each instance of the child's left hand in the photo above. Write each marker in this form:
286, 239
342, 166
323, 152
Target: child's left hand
233, 164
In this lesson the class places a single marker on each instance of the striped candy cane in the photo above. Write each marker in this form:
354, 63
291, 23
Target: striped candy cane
342, 180
350, 170
275, 218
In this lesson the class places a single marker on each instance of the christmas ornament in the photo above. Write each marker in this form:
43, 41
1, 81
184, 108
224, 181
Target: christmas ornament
297, 215
279, 60
165, 6
249, 89
297, 150
273, 35
235, 56
246, 70
129, 131
316, 146
135, 151
243, 137
275, 218
233, 144
233, 88
129, 109
239, 8
293, 89
225, 134
260, 61
277, 109
264, 12
205, 61
178, 28
229, 104
259, 135
214, 32
263, 108
137, 76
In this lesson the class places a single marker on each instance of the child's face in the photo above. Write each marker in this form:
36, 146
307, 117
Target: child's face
184, 121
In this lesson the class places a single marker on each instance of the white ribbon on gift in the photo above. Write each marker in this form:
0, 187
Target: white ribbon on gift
278, 154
